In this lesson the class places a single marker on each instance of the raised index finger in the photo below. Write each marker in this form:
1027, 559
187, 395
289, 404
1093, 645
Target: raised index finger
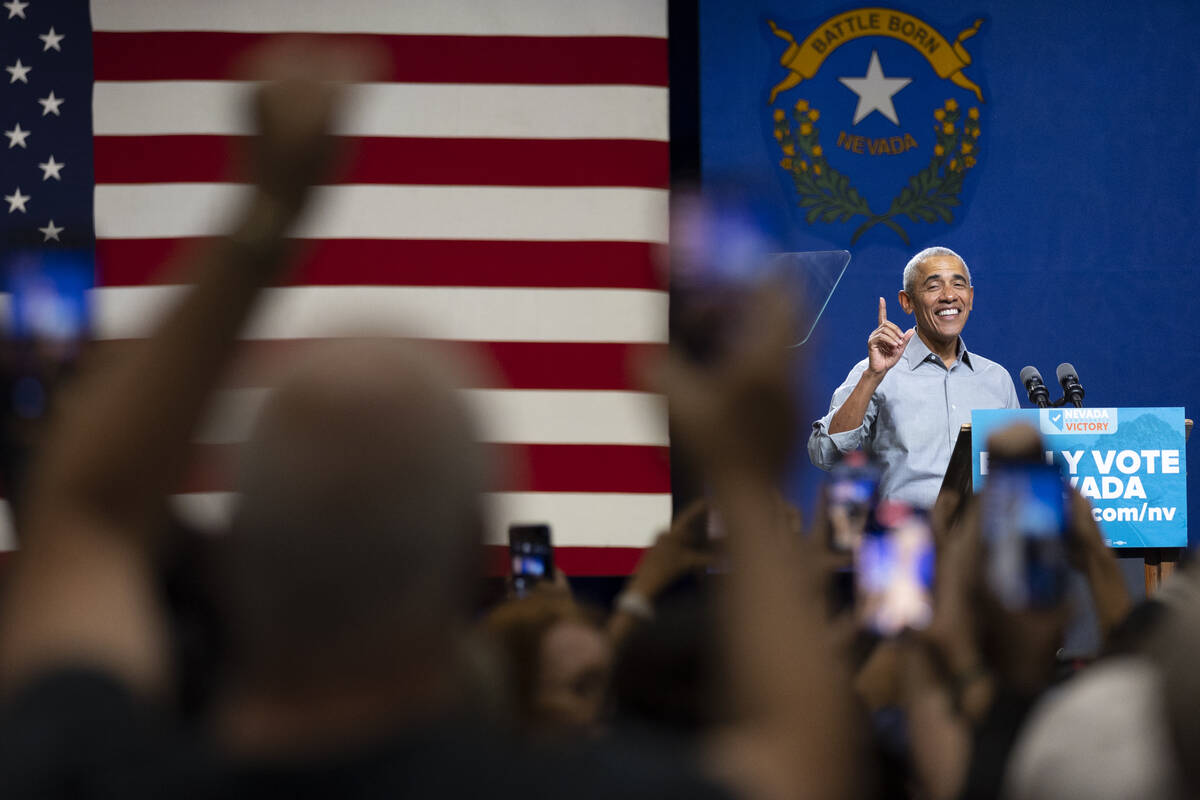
882, 311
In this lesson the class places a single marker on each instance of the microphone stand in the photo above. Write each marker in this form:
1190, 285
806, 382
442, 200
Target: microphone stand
1064, 400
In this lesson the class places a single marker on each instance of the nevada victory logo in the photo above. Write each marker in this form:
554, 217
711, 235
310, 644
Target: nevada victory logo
877, 126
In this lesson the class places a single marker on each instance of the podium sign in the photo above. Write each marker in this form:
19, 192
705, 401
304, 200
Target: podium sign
1129, 462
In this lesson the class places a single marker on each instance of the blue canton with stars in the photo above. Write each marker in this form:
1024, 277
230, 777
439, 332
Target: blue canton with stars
46, 175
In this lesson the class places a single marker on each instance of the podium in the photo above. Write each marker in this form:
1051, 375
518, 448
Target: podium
963, 474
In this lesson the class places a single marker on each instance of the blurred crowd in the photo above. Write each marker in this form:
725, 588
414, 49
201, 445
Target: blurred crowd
333, 642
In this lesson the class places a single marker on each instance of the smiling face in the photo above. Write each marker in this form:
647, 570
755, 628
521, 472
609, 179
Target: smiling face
940, 298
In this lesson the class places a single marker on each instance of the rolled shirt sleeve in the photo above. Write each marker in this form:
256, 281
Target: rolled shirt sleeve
824, 448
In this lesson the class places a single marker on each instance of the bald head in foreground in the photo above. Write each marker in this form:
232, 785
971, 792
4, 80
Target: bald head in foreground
354, 550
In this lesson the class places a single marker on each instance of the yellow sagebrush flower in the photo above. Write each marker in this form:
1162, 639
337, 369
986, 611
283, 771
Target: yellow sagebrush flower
969, 161
951, 105
973, 113
814, 115
816, 151
779, 115
802, 105
947, 128
966, 147
816, 169
804, 166
778, 134
938, 150
805, 129
789, 149
786, 163
939, 115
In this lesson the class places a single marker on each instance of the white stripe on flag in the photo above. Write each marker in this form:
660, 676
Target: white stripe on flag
588, 520
452, 313
397, 109
444, 17
578, 519
170, 210
8, 538
518, 416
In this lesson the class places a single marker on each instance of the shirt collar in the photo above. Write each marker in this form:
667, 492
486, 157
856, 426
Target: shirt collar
917, 353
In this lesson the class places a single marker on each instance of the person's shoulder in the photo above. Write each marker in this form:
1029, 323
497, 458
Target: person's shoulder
642, 767
71, 730
852, 378
469, 758
984, 364
857, 370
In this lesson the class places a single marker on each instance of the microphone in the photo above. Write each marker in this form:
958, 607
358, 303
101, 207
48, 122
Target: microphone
1039, 395
1068, 379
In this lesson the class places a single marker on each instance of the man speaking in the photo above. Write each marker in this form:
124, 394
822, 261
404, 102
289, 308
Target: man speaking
906, 401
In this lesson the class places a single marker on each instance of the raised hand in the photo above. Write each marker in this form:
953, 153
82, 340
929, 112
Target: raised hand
739, 413
886, 343
680, 550
302, 91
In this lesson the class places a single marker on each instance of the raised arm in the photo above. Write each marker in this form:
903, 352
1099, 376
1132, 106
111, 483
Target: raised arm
885, 346
797, 738
1092, 557
82, 589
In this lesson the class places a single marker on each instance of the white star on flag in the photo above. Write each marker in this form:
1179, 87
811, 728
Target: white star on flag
16, 201
52, 40
18, 72
16, 8
50, 104
16, 136
51, 232
51, 168
875, 91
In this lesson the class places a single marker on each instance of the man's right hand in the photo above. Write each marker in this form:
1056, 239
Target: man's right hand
886, 343
302, 91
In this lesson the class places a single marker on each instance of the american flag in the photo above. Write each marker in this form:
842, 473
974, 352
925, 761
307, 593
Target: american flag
508, 190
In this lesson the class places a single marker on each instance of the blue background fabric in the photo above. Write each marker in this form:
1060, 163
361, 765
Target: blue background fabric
1078, 218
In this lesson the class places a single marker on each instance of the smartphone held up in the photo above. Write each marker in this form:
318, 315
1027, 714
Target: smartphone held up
1024, 519
851, 497
47, 322
531, 556
726, 243
894, 567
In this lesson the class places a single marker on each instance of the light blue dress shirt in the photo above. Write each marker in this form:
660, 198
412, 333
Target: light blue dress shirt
914, 417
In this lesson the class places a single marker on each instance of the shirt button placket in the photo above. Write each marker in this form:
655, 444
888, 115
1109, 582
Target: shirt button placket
949, 408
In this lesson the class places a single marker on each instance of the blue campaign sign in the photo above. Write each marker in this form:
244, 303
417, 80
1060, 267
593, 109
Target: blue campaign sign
1129, 462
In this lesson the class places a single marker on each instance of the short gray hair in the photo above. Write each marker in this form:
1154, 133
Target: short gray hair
914, 263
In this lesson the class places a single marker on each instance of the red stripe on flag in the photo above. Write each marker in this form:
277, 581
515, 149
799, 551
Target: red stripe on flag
208, 55
632, 469
590, 468
402, 160
415, 262
575, 562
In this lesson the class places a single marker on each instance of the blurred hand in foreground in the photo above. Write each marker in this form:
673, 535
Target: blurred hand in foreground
740, 413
